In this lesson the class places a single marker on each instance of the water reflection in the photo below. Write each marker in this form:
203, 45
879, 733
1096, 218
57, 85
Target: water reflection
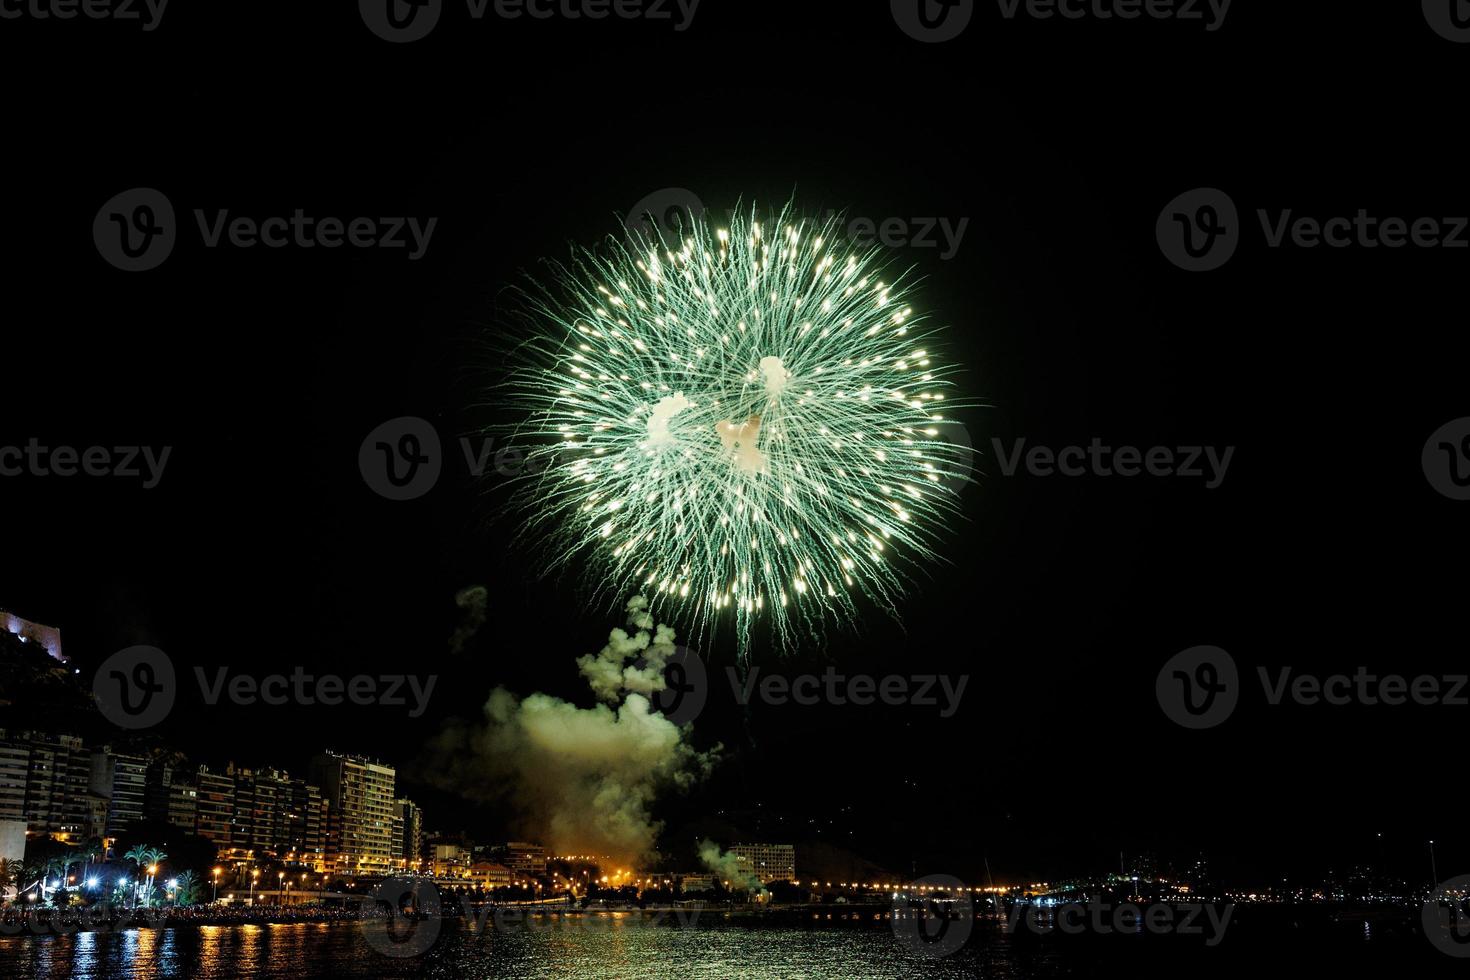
634, 948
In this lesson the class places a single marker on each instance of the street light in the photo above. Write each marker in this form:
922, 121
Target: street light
253, 876
215, 901
280, 877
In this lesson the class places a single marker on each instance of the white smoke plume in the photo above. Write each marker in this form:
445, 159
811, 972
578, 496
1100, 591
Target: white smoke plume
728, 867
609, 673
473, 600
583, 780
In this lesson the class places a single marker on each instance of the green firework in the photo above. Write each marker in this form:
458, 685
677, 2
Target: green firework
746, 423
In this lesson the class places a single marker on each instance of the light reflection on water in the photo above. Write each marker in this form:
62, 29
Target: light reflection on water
620, 950
631, 948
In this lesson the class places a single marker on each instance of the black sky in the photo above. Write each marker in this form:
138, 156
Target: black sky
1325, 548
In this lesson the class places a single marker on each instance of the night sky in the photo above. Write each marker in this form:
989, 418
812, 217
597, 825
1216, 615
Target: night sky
1325, 547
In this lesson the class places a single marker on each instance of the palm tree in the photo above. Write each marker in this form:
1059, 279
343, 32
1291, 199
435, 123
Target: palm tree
147, 859
186, 888
33, 875
11, 872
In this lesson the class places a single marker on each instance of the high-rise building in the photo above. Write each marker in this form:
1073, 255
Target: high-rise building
15, 764
123, 779
279, 816
171, 796
214, 807
57, 769
307, 825
359, 795
524, 858
262, 805
408, 825
767, 862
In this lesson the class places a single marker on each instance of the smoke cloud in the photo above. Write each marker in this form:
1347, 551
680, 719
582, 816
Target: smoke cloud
473, 600
583, 780
728, 867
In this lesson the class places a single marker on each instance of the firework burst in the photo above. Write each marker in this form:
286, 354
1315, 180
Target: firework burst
745, 422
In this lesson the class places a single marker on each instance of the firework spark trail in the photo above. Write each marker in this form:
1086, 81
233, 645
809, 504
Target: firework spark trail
744, 421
